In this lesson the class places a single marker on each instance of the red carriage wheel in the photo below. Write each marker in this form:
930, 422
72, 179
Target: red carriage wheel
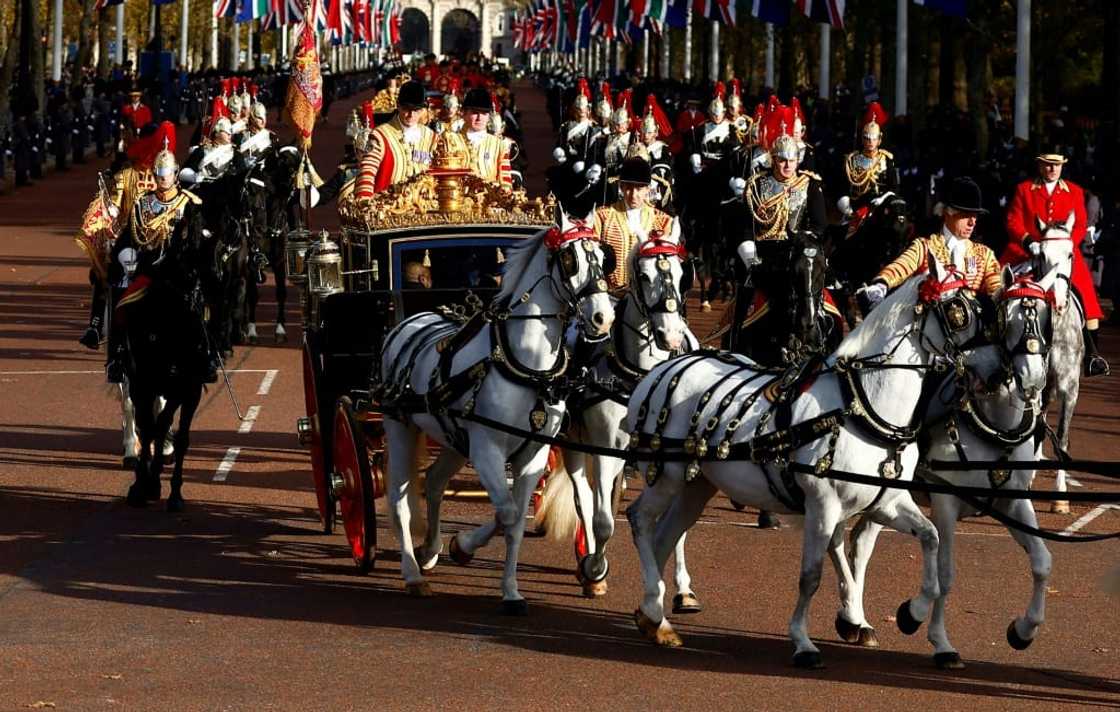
320, 465
355, 488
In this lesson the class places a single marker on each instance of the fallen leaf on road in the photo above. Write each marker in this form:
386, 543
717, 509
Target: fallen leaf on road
890, 619
1100, 650
112, 676
40, 705
193, 621
1052, 591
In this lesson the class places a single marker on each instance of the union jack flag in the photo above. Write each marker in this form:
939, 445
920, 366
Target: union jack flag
224, 8
102, 4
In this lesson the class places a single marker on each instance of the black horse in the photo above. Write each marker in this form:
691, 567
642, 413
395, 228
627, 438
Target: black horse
167, 355
783, 316
856, 260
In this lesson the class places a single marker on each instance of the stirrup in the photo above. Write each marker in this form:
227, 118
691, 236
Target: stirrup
1097, 366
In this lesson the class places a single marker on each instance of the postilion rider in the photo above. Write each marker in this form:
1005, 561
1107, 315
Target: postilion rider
952, 246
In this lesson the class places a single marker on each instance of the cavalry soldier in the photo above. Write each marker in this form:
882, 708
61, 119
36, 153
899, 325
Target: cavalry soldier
630, 220
400, 148
489, 156
952, 246
617, 145
341, 184
164, 220
257, 138
604, 108
736, 112
649, 146
210, 160
256, 141
577, 135
1049, 199
872, 175
105, 217
707, 148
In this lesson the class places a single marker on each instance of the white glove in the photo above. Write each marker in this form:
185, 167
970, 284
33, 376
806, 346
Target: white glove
114, 211
303, 195
1035, 247
875, 292
187, 176
738, 185
879, 201
127, 259
559, 155
694, 159
748, 253
594, 173
844, 205
578, 166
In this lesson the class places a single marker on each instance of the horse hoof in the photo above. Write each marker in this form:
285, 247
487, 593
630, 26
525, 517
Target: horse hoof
176, 504
867, 638
808, 660
906, 622
663, 636
457, 555
739, 506
848, 632
419, 590
136, 497
520, 607
128, 462
594, 589
767, 520
1059, 507
1015, 641
153, 491
686, 603
427, 563
948, 661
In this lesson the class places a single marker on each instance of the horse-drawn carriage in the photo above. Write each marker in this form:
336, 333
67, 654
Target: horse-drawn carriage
432, 243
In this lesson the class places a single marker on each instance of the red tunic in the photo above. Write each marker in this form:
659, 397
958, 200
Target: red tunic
686, 121
140, 116
1031, 203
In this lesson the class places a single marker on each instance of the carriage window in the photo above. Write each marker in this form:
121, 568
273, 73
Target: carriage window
455, 267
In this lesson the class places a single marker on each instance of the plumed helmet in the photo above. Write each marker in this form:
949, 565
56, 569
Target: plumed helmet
716, 107
582, 102
735, 101
258, 111
165, 163
873, 121
222, 125
604, 107
234, 104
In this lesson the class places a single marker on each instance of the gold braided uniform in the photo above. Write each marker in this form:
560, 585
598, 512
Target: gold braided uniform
99, 229
865, 172
981, 269
613, 228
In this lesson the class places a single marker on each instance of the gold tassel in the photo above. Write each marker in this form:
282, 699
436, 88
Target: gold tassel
501, 255
427, 258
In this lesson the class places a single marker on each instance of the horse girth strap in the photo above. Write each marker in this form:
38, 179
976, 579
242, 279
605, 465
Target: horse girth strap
761, 448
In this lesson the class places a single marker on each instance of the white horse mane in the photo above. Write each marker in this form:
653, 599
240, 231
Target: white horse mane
518, 259
882, 325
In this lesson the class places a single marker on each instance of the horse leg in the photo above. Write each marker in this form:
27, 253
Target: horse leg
187, 410
1069, 387
163, 419
129, 440
902, 515
670, 538
591, 566
525, 480
252, 296
1022, 631
945, 511
435, 482
821, 522
851, 621
644, 514
145, 426
402, 442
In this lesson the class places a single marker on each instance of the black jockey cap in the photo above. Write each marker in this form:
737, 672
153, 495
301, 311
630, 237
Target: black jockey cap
964, 196
411, 95
478, 99
635, 170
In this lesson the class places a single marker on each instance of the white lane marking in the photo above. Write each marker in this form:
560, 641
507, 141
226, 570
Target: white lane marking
101, 370
1072, 482
250, 418
266, 382
1090, 516
226, 464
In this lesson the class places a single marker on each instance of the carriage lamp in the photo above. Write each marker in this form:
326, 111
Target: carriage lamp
303, 431
299, 241
324, 267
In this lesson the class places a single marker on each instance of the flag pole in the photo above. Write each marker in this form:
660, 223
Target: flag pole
826, 60
713, 55
184, 23
1023, 71
770, 54
902, 59
688, 45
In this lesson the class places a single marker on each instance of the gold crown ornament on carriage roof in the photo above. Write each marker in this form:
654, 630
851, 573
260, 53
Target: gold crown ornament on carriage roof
447, 194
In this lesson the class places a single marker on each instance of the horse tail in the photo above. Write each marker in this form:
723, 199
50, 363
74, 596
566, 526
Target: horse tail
556, 514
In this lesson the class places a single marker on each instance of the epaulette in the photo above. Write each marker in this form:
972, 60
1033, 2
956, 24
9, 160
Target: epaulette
810, 174
193, 198
888, 154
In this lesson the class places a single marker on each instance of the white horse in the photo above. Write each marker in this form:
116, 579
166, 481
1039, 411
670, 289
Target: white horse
873, 383
507, 366
989, 422
1068, 349
649, 329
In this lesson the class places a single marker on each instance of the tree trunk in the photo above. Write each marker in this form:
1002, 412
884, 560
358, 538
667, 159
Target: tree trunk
788, 65
919, 51
979, 64
947, 62
38, 61
85, 46
104, 38
8, 69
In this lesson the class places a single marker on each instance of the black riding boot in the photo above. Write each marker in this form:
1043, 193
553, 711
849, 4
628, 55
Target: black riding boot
1095, 364
91, 339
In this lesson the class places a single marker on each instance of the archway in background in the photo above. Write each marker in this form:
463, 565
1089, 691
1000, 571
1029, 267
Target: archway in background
416, 32
460, 33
